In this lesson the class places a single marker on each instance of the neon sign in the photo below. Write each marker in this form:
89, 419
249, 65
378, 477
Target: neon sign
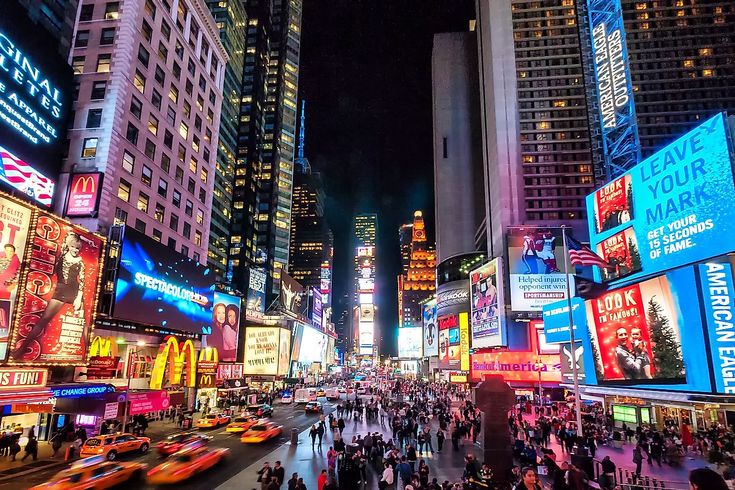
173, 356
165, 287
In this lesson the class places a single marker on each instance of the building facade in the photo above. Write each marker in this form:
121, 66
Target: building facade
405, 233
56, 16
266, 146
418, 283
364, 312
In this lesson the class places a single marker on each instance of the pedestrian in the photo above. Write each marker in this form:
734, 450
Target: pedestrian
300, 485
439, 440
280, 473
56, 443
386, 480
264, 475
293, 482
411, 457
638, 460
273, 485
31, 449
404, 471
320, 433
313, 433
706, 479
331, 460
341, 425
321, 480
14, 447
423, 473
607, 478
331, 484
529, 480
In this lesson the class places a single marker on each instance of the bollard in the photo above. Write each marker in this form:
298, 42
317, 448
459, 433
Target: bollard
68, 454
294, 436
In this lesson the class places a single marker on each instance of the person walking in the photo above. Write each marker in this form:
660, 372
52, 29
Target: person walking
31, 449
320, 433
439, 440
386, 480
293, 482
14, 446
638, 460
56, 443
607, 478
280, 473
321, 480
313, 433
341, 425
264, 475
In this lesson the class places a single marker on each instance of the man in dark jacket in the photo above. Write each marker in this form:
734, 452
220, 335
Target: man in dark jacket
280, 473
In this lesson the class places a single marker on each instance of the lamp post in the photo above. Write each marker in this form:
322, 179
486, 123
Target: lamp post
539, 365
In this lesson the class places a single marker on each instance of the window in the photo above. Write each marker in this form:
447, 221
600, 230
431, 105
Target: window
173, 222
128, 161
156, 99
171, 115
103, 63
150, 8
165, 162
193, 165
136, 107
82, 39
189, 87
179, 175
143, 55
203, 175
150, 149
173, 94
142, 203
157, 235
181, 153
168, 139
179, 49
189, 208
162, 188
89, 148
176, 198
185, 250
152, 124
86, 13
121, 217
162, 51
187, 109
160, 76
166, 30
77, 64
131, 134
146, 175
198, 238
191, 67
107, 36
98, 90
123, 190
202, 84
94, 118
191, 185
195, 257
146, 30
198, 123
195, 143
186, 230
202, 196
139, 81
172, 243
160, 213
205, 153
112, 10
200, 217
176, 70
183, 130
139, 225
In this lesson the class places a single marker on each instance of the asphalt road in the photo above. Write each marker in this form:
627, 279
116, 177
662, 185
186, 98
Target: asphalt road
241, 455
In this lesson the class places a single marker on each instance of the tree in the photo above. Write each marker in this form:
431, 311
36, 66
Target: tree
635, 256
667, 359
630, 200
599, 368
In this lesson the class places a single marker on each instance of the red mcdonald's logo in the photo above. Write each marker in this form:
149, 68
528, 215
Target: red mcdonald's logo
85, 181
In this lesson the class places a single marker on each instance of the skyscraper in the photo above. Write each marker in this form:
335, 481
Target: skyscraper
56, 16
231, 20
405, 233
365, 232
418, 283
147, 115
262, 194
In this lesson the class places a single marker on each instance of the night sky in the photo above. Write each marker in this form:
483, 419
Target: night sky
366, 78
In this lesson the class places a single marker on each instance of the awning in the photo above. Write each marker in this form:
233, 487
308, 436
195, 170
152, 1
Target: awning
31, 395
655, 396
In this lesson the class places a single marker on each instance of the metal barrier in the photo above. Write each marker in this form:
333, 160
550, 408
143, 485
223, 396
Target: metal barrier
627, 480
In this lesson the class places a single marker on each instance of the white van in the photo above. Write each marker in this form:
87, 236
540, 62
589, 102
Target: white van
332, 394
305, 395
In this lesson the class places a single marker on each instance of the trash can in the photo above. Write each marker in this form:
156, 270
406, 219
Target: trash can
294, 436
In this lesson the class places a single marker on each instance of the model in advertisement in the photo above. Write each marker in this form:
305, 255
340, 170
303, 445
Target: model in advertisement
9, 266
69, 273
632, 358
230, 332
529, 255
545, 245
216, 338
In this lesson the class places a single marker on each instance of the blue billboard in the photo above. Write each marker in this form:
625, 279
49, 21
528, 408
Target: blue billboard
613, 87
668, 210
556, 320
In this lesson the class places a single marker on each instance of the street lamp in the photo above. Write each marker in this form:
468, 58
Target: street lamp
539, 365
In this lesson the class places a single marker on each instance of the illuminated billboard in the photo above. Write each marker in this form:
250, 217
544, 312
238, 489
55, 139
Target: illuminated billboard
366, 337
676, 216
83, 194
317, 309
367, 313
310, 346
409, 342
488, 305
160, 287
430, 332
449, 341
556, 320
262, 348
255, 304
517, 366
225, 329
293, 296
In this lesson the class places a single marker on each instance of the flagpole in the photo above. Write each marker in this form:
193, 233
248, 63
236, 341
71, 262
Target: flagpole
575, 371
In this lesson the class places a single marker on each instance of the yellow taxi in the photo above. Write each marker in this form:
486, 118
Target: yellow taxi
212, 420
95, 472
241, 424
185, 464
262, 431
321, 392
112, 445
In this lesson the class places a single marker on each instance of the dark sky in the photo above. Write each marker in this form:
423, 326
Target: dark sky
366, 78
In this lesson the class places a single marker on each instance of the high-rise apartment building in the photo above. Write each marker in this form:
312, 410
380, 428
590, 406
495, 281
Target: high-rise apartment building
405, 233
147, 110
56, 16
231, 20
262, 194
418, 283
364, 331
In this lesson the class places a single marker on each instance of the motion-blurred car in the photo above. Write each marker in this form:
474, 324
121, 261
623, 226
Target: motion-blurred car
321, 392
342, 389
313, 407
287, 398
260, 410
242, 423
174, 444
112, 445
262, 431
185, 464
212, 420
95, 472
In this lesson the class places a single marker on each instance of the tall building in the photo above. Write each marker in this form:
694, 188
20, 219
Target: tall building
310, 248
231, 20
149, 91
418, 283
458, 192
262, 194
365, 233
56, 16
405, 233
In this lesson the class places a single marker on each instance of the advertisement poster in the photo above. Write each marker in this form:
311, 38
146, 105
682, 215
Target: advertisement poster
292, 296
621, 252
314, 347
526, 367
152, 401
431, 341
284, 352
83, 194
536, 268
556, 320
486, 294
15, 220
159, 287
255, 306
613, 204
366, 337
261, 350
449, 342
678, 214
317, 312
21, 176
57, 309
635, 333
225, 326
409, 342
569, 356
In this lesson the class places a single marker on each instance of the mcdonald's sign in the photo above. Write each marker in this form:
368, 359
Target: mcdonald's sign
83, 194
175, 357
207, 367
103, 347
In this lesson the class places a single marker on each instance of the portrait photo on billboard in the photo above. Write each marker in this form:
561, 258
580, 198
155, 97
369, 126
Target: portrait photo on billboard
431, 334
59, 294
292, 296
225, 326
536, 267
486, 296
613, 204
159, 287
621, 252
635, 333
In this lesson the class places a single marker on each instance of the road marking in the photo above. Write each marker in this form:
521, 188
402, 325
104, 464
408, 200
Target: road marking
290, 417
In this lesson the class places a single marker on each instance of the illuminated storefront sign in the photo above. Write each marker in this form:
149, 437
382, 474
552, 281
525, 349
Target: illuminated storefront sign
556, 320
488, 305
719, 301
78, 391
175, 357
84, 191
517, 366
12, 378
673, 212
464, 342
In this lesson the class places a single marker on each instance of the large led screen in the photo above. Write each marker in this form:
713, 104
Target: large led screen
314, 347
255, 305
449, 342
225, 329
293, 296
159, 287
668, 210
366, 337
409, 342
488, 304
431, 334
262, 350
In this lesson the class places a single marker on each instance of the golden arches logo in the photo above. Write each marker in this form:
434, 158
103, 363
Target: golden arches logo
174, 356
103, 347
84, 182
209, 354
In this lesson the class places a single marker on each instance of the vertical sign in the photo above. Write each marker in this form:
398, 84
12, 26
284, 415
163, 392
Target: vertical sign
83, 196
464, 341
255, 306
613, 86
488, 305
718, 293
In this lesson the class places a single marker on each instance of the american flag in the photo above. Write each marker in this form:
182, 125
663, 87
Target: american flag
25, 178
582, 255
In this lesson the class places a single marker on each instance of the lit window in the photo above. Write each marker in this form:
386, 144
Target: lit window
103, 63
89, 148
203, 175
128, 162
193, 165
142, 203
111, 10
705, 52
183, 130
688, 63
198, 238
173, 94
139, 81
77, 64
708, 73
159, 213
152, 124
123, 190
200, 216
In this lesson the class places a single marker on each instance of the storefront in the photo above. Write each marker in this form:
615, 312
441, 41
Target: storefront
25, 401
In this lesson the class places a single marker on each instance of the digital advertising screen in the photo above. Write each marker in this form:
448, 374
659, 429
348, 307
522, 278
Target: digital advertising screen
225, 326
366, 337
431, 340
261, 350
255, 305
517, 366
556, 320
569, 356
676, 216
284, 352
293, 296
83, 194
59, 294
488, 305
409, 342
159, 287
536, 268
317, 309
314, 347
449, 342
